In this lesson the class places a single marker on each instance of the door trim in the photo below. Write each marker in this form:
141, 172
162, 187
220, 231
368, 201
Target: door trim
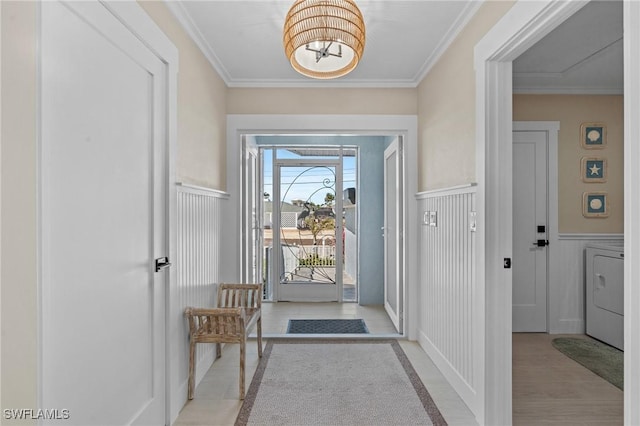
141, 25
631, 207
519, 29
377, 125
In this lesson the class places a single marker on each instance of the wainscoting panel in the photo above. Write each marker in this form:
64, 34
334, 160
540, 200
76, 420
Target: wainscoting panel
199, 243
566, 280
446, 249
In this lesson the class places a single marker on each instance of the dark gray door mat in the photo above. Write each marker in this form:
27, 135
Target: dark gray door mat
327, 326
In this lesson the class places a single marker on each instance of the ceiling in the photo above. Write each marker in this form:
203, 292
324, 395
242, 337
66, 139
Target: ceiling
583, 55
243, 41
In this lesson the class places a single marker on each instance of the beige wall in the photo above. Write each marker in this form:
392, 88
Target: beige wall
201, 161
202, 120
571, 111
322, 101
446, 107
19, 290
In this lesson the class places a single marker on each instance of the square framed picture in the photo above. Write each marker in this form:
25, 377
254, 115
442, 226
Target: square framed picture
595, 204
593, 135
593, 169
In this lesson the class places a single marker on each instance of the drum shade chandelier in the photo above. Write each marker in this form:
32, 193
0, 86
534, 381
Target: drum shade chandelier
324, 38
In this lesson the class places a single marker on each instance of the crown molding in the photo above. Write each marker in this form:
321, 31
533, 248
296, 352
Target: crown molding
586, 90
309, 83
461, 21
177, 9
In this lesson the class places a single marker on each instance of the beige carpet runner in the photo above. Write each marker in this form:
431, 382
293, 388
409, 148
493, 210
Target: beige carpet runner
337, 382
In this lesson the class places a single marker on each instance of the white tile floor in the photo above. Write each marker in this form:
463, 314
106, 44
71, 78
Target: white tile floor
216, 397
276, 316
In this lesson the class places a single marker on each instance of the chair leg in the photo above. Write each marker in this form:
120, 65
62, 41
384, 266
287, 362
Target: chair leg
243, 344
192, 367
259, 337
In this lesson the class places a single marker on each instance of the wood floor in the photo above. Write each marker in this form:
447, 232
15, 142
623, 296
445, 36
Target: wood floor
551, 389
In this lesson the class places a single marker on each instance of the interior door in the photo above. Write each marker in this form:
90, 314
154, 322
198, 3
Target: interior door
392, 232
103, 217
530, 233
252, 243
307, 230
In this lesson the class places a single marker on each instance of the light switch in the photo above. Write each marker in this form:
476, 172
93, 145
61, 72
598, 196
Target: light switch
433, 218
425, 218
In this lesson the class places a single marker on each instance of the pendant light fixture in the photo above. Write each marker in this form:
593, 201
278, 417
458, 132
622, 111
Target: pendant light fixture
324, 38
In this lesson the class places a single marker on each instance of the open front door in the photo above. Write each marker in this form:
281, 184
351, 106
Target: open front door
252, 236
392, 232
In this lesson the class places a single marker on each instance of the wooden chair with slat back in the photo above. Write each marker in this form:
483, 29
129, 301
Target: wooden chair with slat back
238, 311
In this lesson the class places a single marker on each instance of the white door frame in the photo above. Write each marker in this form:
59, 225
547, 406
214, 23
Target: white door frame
519, 29
631, 208
144, 28
377, 125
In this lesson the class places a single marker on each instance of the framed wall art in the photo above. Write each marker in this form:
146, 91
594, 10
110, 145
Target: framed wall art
593, 135
595, 204
593, 169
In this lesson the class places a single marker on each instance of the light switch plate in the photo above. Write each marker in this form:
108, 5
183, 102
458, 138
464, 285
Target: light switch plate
433, 218
425, 218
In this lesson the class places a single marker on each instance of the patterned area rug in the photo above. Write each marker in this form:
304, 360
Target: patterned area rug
327, 326
337, 382
604, 360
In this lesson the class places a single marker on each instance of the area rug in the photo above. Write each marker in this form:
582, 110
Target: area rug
337, 382
327, 326
604, 360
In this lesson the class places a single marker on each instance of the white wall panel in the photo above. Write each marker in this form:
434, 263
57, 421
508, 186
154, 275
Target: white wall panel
199, 245
447, 303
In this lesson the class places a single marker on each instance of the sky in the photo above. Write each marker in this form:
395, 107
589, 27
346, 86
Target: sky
314, 182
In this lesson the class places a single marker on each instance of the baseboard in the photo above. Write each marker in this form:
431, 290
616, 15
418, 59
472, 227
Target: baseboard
568, 326
180, 397
464, 390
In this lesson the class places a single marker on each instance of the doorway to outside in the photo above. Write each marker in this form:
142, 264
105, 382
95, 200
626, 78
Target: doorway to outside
323, 223
309, 216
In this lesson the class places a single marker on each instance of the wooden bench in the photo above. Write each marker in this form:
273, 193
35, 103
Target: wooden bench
238, 311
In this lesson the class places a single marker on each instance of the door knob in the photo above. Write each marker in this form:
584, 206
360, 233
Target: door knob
541, 243
162, 263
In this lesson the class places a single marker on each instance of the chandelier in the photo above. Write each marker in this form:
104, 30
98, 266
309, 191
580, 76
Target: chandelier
324, 38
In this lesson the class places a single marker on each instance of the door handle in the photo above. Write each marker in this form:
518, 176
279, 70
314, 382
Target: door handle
162, 263
541, 243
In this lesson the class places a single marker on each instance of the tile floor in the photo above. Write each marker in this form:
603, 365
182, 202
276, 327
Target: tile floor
276, 316
548, 387
216, 397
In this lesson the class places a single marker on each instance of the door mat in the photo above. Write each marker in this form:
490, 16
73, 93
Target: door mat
327, 326
602, 359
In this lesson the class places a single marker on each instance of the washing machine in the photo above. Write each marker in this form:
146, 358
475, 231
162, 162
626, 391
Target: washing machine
604, 299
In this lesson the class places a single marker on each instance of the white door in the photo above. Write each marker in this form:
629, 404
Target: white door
103, 214
252, 258
392, 232
307, 254
530, 231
